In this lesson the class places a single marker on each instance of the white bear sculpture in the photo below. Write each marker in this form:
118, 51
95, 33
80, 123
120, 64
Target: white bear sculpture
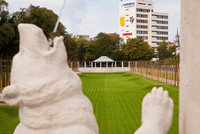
49, 93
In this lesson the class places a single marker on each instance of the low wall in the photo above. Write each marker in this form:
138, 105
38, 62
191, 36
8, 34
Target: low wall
104, 69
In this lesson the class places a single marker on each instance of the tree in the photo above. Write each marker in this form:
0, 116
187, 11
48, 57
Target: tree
137, 49
80, 50
4, 14
104, 45
163, 51
172, 49
116, 39
71, 46
117, 55
7, 30
42, 17
7, 33
90, 53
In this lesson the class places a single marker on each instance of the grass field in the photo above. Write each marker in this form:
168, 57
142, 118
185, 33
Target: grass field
116, 99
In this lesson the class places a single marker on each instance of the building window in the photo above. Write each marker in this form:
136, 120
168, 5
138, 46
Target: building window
127, 25
142, 26
142, 10
160, 38
160, 32
142, 3
142, 21
127, 9
142, 32
142, 15
161, 22
127, 15
160, 27
142, 37
149, 4
161, 16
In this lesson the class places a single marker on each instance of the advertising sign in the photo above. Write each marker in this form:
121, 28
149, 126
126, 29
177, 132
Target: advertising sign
131, 4
122, 21
127, 34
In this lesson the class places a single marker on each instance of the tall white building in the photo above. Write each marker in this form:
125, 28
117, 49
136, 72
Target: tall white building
138, 20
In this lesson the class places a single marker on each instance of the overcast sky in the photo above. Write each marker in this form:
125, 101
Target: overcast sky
93, 16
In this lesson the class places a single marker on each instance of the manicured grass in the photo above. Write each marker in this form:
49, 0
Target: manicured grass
116, 99
8, 119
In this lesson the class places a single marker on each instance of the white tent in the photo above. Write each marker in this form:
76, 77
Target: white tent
103, 59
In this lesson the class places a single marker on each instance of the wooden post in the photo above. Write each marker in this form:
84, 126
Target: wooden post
171, 75
166, 74
157, 72
152, 70
5, 73
175, 76
1, 82
161, 73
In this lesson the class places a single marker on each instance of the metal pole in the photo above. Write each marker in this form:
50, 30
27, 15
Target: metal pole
56, 26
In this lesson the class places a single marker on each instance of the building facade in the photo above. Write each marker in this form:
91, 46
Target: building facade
138, 20
86, 37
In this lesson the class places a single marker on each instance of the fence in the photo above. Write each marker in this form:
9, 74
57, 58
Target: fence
5, 69
162, 71
167, 71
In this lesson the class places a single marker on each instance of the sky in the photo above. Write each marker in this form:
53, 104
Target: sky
89, 17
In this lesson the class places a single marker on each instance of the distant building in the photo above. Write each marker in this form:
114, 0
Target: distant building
177, 42
85, 37
93, 39
138, 20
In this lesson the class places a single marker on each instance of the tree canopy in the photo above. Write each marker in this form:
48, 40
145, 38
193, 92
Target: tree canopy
137, 49
164, 51
42, 17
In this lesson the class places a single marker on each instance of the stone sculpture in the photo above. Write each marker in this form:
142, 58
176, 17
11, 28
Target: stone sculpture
49, 93
157, 112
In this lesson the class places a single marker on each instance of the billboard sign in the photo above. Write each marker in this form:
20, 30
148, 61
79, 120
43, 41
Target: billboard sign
131, 4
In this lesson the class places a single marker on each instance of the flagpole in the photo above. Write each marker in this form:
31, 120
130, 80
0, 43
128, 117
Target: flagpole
56, 26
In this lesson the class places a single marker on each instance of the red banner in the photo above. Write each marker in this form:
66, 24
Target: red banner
127, 34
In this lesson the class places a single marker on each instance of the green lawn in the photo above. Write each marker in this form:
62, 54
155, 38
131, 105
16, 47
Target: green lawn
8, 119
116, 99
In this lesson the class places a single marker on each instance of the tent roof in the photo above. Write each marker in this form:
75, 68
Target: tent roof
103, 59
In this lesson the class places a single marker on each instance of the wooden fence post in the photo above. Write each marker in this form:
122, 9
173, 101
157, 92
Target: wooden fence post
1, 80
166, 74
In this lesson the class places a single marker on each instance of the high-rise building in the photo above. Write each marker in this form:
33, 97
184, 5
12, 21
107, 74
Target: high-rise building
138, 20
